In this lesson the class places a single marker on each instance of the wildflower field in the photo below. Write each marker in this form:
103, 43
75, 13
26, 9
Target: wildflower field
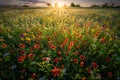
59, 44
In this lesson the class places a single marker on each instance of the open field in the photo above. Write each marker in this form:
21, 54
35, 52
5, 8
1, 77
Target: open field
60, 44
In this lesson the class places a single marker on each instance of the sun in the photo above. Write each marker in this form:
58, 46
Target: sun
58, 4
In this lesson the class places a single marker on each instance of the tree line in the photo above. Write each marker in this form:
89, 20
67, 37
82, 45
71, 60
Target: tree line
105, 5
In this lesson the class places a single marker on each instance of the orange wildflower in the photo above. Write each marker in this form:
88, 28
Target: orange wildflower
60, 59
34, 75
109, 74
22, 52
94, 65
84, 78
53, 47
82, 57
102, 40
21, 59
82, 64
36, 46
76, 52
63, 66
88, 69
56, 60
56, 71
108, 59
4, 45
22, 45
75, 60
65, 41
58, 52
31, 55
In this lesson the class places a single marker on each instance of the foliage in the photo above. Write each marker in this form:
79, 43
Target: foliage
75, 5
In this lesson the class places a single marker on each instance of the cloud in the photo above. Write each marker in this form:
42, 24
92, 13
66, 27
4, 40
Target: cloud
33, 1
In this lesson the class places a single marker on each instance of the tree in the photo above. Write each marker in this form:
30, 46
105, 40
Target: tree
108, 5
49, 5
105, 5
78, 5
95, 6
111, 4
25, 6
72, 4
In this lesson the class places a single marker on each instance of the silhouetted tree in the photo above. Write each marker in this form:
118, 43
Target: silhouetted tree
78, 5
111, 4
108, 5
49, 5
72, 4
25, 6
95, 6
75, 5
105, 5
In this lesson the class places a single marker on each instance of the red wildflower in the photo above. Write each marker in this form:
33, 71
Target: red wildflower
21, 59
89, 70
48, 37
44, 59
36, 46
75, 60
65, 41
63, 66
22, 52
76, 53
84, 78
22, 45
69, 48
82, 64
31, 55
34, 75
94, 65
102, 40
108, 59
60, 59
53, 47
82, 57
56, 71
67, 53
109, 74
56, 60
71, 43
80, 37
50, 43
4, 45
77, 46
96, 35
31, 50
58, 52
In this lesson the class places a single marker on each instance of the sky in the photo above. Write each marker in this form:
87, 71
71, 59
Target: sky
84, 3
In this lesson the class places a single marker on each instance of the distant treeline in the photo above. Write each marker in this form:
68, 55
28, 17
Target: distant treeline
105, 5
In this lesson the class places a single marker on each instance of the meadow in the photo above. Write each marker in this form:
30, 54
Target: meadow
60, 44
